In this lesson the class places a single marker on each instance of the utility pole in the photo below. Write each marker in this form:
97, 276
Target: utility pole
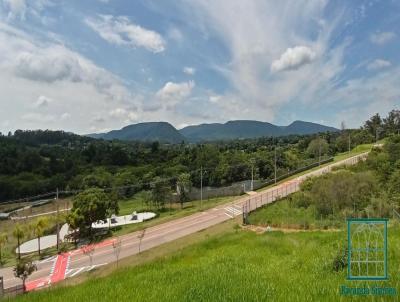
58, 223
201, 187
319, 151
252, 174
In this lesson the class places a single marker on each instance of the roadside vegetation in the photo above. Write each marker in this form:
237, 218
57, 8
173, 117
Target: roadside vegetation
368, 189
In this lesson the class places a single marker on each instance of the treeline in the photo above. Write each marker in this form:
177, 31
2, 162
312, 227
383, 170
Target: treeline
34, 162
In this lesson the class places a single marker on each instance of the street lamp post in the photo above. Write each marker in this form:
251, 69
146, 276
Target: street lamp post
319, 151
252, 174
58, 223
201, 187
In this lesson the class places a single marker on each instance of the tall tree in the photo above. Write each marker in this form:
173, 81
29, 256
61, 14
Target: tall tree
373, 124
160, 192
19, 233
184, 186
391, 123
317, 147
91, 205
74, 220
3, 241
39, 227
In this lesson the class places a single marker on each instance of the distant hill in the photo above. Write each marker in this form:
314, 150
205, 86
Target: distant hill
230, 130
152, 131
300, 127
241, 129
249, 129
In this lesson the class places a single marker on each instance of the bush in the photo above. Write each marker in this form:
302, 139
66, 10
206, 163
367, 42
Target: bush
340, 260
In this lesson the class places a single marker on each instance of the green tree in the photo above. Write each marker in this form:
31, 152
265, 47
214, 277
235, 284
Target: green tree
318, 146
19, 233
391, 123
373, 124
184, 186
3, 241
39, 228
23, 269
91, 205
160, 193
74, 220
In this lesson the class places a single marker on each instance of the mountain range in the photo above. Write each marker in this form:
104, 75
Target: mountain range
240, 129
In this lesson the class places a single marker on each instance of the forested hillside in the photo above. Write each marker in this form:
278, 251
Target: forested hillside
34, 162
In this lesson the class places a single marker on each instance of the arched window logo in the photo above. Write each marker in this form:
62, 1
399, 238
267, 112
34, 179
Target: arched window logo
367, 249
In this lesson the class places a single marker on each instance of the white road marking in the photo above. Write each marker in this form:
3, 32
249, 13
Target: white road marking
233, 211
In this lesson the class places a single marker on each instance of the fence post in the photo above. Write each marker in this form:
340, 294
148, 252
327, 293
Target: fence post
1, 287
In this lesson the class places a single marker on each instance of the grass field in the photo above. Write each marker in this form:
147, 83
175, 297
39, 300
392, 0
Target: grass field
231, 266
283, 215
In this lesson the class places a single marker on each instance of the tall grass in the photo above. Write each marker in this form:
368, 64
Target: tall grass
232, 266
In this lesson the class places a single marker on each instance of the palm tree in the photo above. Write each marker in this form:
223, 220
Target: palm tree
18, 233
3, 240
39, 228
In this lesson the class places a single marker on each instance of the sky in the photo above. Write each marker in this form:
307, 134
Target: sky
95, 65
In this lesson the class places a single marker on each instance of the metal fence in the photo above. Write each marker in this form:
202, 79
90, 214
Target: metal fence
291, 186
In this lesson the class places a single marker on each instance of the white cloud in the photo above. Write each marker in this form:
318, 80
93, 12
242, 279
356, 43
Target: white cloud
175, 34
124, 114
21, 8
293, 58
34, 117
120, 31
42, 101
257, 33
43, 68
173, 93
381, 38
17, 8
54, 63
189, 70
215, 99
65, 116
378, 64
367, 95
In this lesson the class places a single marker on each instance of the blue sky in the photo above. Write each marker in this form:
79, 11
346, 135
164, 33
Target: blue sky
95, 65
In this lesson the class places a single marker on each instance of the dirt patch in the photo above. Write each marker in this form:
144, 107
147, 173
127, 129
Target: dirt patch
262, 229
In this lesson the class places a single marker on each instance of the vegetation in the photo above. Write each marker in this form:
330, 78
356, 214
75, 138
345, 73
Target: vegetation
90, 206
3, 241
35, 162
369, 189
38, 227
23, 270
229, 266
18, 233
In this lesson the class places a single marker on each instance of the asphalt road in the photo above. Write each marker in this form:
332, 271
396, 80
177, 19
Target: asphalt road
76, 262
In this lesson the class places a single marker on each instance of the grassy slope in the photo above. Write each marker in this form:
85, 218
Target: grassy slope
231, 266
